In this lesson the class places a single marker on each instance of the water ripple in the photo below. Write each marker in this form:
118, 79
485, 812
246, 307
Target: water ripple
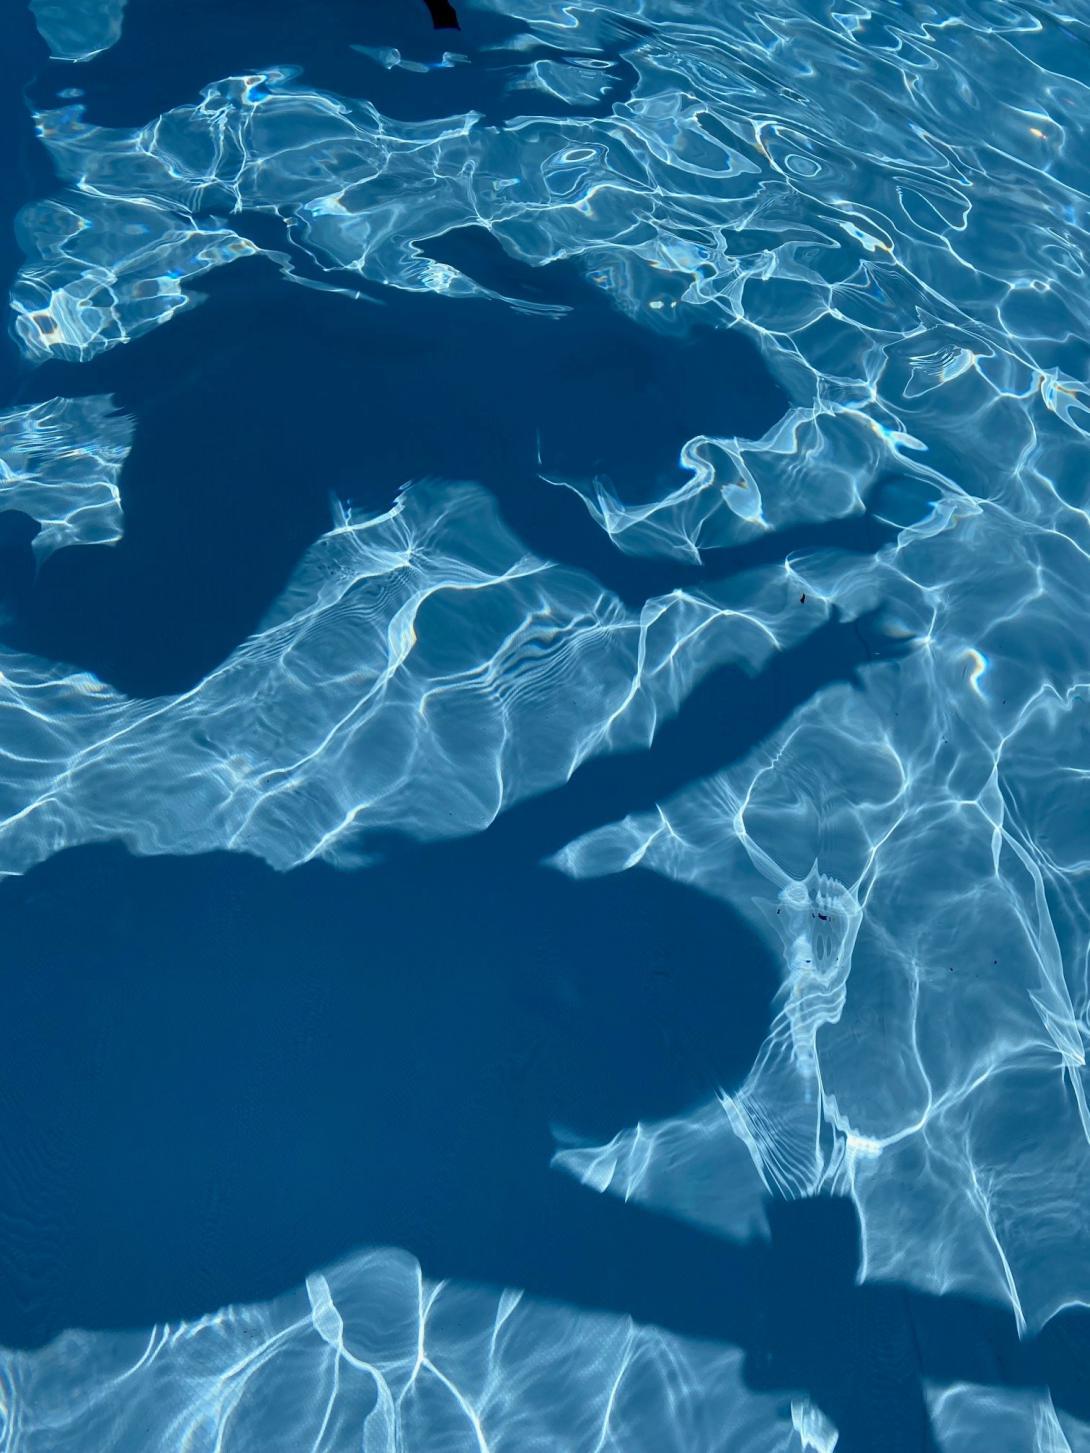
60, 463
373, 1355
892, 202
78, 32
421, 672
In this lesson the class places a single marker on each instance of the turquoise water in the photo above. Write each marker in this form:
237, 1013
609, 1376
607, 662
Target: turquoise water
593, 500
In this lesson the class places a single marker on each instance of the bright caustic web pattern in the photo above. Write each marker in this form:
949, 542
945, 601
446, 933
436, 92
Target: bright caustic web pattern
890, 202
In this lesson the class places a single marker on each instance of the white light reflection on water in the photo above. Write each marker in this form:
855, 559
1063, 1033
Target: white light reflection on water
421, 673
891, 200
60, 463
371, 1355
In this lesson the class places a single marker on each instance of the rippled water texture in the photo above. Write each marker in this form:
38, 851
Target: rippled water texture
590, 509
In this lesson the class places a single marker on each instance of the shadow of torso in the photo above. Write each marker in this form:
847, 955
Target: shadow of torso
217, 1078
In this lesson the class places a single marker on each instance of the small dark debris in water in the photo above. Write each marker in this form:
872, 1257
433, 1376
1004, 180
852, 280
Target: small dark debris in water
802, 598
824, 917
443, 15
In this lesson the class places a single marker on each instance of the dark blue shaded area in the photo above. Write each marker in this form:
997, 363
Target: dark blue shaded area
218, 1079
259, 405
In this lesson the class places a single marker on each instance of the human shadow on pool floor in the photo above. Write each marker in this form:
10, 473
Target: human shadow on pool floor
216, 1079
269, 397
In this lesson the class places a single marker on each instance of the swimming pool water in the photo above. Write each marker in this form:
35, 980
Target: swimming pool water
543, 779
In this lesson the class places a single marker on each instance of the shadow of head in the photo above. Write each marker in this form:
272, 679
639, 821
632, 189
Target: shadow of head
301, 393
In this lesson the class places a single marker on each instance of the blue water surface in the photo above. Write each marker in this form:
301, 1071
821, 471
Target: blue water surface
543, 759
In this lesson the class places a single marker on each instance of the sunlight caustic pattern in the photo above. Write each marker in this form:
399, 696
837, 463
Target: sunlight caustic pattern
907, 243
372, 1355
60, 463
419, 646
